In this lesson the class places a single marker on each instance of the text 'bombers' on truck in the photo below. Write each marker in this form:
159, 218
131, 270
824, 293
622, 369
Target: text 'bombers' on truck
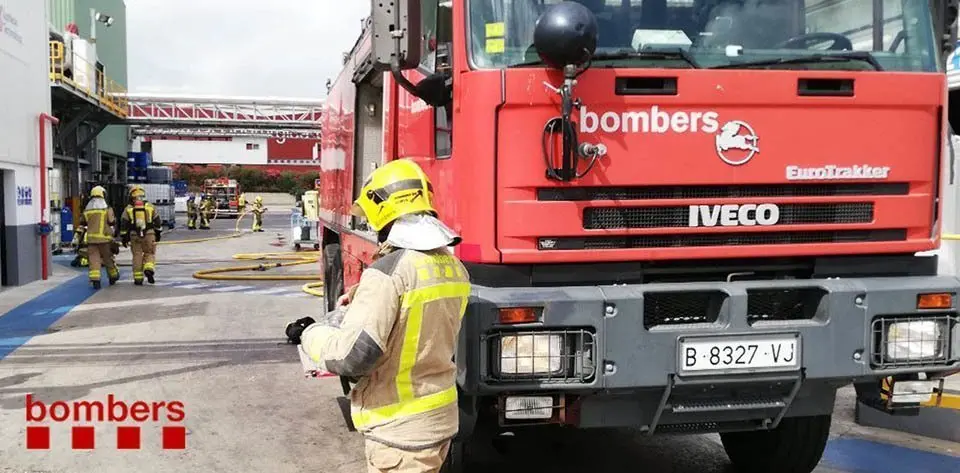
680, 216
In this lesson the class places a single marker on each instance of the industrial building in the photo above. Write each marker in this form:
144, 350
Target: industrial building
23, 60
67, 61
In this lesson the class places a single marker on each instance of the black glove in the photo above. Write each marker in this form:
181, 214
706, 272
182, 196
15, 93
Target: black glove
114, 248
125, 239
156, 235
294, 329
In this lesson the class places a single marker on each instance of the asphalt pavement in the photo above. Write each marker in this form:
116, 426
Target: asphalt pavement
216, 351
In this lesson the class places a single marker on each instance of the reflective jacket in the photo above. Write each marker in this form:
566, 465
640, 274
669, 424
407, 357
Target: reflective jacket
138, 219
399, 336
99, 224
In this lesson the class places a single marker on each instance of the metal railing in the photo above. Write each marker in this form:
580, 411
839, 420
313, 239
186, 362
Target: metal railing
84, 78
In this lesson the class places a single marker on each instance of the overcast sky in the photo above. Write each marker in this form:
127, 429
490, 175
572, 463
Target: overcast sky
285, 48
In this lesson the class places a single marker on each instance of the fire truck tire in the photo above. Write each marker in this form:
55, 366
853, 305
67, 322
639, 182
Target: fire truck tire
795, 446
332, 275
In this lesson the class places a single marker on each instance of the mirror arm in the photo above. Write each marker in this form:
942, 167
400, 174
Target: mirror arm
403, 81
395, 63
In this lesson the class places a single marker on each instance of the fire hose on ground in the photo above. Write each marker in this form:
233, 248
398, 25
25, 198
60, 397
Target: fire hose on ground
269, 261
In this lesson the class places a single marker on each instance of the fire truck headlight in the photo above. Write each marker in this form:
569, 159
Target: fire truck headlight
539, 354
914, 340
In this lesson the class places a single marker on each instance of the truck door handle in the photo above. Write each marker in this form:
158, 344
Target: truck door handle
825, 87
646, 86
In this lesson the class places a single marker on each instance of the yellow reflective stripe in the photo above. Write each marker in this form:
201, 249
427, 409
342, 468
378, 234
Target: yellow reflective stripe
415, 300
101, 224
405, 408
408, 353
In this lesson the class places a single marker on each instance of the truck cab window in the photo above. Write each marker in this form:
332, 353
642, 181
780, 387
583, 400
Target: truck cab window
437, 17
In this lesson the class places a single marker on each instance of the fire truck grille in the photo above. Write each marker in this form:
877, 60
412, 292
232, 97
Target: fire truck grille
720, 239
720, 192
596, 218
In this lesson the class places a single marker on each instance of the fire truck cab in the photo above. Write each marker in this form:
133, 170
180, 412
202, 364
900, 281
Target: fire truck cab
678, 216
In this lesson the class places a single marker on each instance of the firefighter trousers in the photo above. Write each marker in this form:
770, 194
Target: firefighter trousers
382, 458
144, 251
99, 255
191, 220
257, 221
205, 220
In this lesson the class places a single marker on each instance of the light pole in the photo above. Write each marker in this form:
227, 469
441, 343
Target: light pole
95, 17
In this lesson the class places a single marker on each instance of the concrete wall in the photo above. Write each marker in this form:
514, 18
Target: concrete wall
210, 152
23, 60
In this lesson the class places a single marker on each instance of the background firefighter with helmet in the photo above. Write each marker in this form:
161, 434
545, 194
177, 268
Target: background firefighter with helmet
140, 227
98, 222
258, 210
397, 332
207, 208
192, 211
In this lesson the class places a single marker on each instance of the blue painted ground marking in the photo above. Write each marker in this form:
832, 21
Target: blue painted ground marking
33, 317
863, 456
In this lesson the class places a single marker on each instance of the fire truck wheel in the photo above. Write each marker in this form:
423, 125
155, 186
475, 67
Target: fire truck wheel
795, 446
332, 275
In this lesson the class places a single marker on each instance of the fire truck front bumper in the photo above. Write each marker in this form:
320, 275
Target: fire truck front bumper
701, 356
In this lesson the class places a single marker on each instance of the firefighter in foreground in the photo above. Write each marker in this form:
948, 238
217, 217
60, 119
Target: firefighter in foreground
207, 207
98, 222
191, 212
258, 210
396, 331
140, 228
241, 203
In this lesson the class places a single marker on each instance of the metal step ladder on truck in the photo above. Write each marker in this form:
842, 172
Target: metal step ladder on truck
673, 220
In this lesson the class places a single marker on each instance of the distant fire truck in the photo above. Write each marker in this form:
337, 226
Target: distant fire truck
225, 193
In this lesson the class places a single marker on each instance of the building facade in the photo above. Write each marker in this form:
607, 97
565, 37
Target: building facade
24, 62
95, 146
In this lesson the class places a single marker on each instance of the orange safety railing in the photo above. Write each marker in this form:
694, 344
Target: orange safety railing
84, 78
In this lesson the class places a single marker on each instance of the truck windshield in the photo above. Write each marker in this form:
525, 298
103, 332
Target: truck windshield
894, 34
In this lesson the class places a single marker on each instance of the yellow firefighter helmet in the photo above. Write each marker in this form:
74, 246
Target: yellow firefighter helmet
259, 199
98, 191
393, 190
137, 191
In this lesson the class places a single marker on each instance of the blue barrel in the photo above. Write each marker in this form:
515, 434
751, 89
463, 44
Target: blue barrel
66, 225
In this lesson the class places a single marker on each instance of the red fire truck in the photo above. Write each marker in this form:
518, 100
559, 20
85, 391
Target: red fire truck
679, 216
225, 193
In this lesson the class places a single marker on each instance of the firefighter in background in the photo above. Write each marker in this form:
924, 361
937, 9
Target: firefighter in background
98, 222
191, 213
140, 228
80, 240
396, 333
258, 210
207, 207
241, 203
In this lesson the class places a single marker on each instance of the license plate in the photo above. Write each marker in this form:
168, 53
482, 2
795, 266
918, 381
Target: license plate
706, 355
